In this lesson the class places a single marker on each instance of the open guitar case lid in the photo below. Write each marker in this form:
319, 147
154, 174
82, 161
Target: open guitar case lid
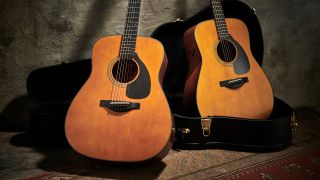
54, 87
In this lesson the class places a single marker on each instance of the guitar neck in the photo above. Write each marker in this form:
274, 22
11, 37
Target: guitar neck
129, 37
219, 19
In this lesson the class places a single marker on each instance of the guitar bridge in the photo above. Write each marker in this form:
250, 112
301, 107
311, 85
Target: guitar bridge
119, 106
234, 83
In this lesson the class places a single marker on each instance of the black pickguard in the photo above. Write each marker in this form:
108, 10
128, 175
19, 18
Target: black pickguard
140, 88
241, 64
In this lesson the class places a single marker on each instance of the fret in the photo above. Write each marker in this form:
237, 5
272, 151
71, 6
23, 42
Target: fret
223, 30
133, 37
132, 24
128, 49
127, 41
133, 3
124, 39
130, 31
126, 52
127, 44
133, 10
129, 36
136, 18
131, 27
221, 24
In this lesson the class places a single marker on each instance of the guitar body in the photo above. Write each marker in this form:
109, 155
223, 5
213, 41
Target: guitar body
135, 135
236, 89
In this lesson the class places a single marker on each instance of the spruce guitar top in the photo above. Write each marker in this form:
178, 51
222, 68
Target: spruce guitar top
224, 79
121, 113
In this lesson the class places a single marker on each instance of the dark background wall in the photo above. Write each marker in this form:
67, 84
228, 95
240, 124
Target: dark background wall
38, 33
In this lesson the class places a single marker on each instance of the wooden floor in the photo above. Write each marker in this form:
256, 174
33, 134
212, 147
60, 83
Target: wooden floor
20, 160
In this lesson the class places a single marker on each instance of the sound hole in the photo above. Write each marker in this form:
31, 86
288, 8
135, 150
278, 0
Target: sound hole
125, 70
226, 51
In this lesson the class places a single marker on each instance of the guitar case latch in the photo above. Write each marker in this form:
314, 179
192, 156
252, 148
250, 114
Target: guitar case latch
206, 125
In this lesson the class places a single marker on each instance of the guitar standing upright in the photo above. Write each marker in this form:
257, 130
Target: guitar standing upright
224, 79
121, 113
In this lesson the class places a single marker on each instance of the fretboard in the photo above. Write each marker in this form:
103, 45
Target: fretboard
129, 37
219, 19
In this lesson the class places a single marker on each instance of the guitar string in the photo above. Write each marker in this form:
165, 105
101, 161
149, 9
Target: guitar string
117, 86
121, 57
125, 51
115, 77
133, 29
117, 61
250, 3
225, 38
215, 11
226, 42
221, 34
127, 48
130, 31
228, 45
114, 94
131, 43
217, 25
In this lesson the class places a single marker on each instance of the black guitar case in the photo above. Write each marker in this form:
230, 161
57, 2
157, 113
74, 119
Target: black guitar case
53, 88
220, 132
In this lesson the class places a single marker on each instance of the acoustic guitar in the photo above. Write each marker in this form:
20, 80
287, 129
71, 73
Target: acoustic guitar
224, 78
121, 113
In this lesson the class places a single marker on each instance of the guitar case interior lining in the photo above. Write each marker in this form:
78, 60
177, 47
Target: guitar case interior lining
54, 88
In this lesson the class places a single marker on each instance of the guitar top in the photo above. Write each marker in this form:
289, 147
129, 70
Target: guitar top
115, 116
224, 79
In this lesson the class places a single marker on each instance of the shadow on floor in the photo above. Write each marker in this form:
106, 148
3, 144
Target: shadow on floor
15, 116
61, 158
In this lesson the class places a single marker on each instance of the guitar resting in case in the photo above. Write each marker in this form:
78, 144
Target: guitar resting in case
54, 88
263, 129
